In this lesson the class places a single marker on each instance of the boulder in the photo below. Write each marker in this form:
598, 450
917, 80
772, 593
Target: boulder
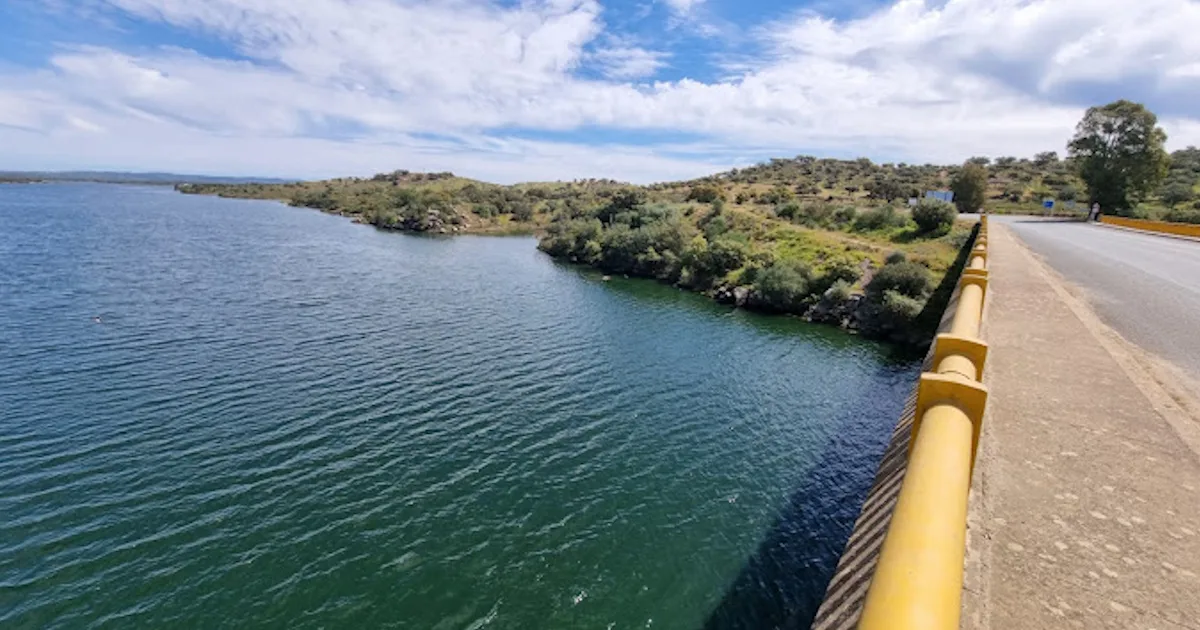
741, 296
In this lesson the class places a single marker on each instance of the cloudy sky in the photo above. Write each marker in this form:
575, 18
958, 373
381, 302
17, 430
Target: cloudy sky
639, 90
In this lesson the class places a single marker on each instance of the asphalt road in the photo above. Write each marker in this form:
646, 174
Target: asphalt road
1146, 287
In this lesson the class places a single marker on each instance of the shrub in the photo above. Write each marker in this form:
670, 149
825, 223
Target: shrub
959, 238
838, 292
840, 271
845, 215
715, 226
1067, 192
712, 260
895, 258
789, 210
705, 193
906, 278
778, 194
900, 310
1182, 215
934, 216
1175, 193
879, 218
816, 214
784, 285
522, 211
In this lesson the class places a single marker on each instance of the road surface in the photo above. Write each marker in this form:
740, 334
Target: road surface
1145, 287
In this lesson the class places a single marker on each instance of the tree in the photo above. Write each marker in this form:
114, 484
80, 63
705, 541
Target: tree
885, 188
1175, 193
1119, 152
1042, 160
970, 187
1067, 192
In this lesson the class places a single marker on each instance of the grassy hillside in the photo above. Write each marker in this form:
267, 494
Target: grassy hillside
830, 240
759, 237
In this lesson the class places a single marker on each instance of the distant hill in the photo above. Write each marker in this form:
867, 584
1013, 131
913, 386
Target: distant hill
122, 177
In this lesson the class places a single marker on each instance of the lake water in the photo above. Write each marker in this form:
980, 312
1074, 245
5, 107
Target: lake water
286, 420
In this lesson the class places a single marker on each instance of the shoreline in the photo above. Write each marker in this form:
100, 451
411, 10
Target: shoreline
854, 312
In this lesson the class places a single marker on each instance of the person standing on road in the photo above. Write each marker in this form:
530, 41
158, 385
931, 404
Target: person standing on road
1094, 215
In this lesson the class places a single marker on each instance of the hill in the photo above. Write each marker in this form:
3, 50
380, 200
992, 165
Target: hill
831, 240
745, 237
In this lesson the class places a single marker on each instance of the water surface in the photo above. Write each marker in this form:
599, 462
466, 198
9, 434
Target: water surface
283, 419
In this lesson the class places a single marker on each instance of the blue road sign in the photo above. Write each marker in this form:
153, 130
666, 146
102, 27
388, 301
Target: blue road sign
1048, 204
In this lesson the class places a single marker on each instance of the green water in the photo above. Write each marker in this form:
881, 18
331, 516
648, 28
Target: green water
283, 419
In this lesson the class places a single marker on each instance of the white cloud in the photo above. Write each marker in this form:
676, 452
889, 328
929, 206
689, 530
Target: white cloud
629, 62
683, 6
352, 86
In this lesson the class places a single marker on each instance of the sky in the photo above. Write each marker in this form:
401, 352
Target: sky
534, 90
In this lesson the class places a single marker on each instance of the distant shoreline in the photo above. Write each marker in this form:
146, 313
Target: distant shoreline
126, 177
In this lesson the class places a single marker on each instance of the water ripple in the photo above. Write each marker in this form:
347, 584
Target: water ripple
288, 420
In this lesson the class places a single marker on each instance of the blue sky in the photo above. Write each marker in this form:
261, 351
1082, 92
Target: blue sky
507, 90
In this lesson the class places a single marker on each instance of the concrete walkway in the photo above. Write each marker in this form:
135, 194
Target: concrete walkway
1086, 503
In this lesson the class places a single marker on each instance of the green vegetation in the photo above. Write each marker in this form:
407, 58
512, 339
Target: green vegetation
934, 216
970, 187
1120, 154
753, 237
821, 238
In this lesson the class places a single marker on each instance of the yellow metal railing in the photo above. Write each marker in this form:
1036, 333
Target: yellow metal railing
918, 581
1180, 229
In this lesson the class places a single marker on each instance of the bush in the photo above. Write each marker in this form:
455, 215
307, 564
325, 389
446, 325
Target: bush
895, 258
840, 271
1182, 215
906, 278
837, 293
959, 238
784, 285
789, 210
845, 215
778, 194
880, 218
934, 216
1175, 193
713, 260
899, 310
522, 211
705, 193
1068, 192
